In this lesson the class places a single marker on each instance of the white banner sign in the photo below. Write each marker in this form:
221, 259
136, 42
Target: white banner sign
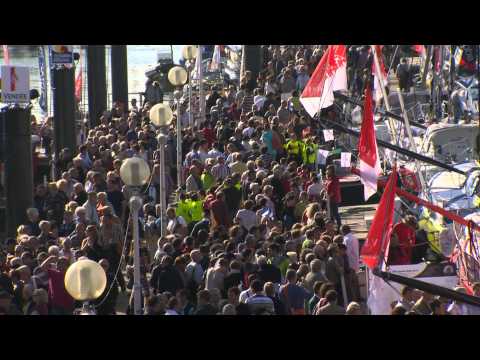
322, 156
345, 159
15, 84
328, 135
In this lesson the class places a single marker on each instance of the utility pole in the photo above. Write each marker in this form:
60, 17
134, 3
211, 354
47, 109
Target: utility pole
97, 83
64, 125
119, 67
18, 166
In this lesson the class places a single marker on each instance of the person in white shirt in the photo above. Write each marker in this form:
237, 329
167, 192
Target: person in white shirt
90, 207
259, 98
176, 224
215, 153
246, 217
248, 131
315, 189
351, 242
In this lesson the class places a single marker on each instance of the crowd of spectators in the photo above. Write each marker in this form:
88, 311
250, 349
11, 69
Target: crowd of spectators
255, 229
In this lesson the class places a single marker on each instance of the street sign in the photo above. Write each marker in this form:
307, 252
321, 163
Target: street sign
61, 55
15, 84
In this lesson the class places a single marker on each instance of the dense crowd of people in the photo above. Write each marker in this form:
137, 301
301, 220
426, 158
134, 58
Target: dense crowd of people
255, 229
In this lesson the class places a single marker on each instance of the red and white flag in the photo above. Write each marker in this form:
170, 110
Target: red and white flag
381, 77
79, 81
216, 58
370, 168
6, 55
329, 76
419, 49
378, 238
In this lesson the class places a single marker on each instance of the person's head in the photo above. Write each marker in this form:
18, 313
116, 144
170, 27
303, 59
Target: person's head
407, 293
171, 213
476, 289
203, 297
398, 310
330, 171
331, 296
33, 214
291, 276
316, 266
233, 294
269, 289
438, 307
256, 286
330, 226
40, 296
196, 256
229, 309
411, 221
345, 229
92, 197
353, 309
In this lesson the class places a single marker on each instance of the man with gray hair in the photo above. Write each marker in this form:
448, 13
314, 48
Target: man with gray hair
194, 271
33, 216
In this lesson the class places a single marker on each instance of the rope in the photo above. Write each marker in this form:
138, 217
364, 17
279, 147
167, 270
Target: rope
119, 265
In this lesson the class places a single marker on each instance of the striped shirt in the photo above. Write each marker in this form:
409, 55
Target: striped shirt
220, 171
247, 103
258, 302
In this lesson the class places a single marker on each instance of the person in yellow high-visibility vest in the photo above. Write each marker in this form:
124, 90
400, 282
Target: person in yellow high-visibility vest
294, 148
195, 210
432, 229
183, 206
309, 153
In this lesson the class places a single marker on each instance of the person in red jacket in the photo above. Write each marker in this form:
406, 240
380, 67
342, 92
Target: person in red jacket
220, 211
402, 242
332, 187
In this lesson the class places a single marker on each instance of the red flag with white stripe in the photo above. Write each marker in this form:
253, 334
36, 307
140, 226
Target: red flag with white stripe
6, 55
370, 168
329, 76
79, 81
381, 76
378, 238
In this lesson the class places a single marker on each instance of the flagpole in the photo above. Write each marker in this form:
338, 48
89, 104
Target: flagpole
200, 87
412, 146
384, 93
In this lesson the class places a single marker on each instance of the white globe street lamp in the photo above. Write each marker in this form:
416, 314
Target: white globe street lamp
178, 77
189, 53
135, 172
161, 115
85, 280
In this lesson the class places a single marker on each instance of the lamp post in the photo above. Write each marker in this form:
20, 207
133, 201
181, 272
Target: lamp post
161, 115
178, 77
189, 53
85, 280
135, 172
